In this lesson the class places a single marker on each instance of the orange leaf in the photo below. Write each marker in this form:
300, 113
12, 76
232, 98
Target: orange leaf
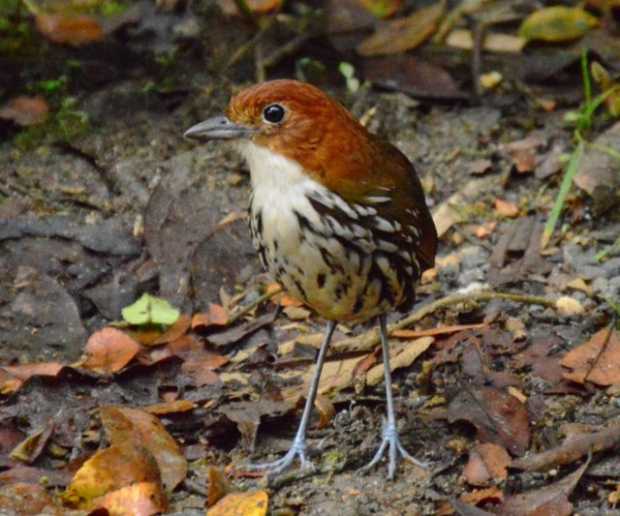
218, 485
251, 503
178, 329
596, 361
170, 407
229, 7
108, 351
326, 410
139, 499
506, 208
215, 316
127, 424
72, 30
26, 111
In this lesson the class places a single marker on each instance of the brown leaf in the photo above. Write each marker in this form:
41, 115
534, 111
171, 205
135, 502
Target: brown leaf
403, 356
537, 356
177, 330
596, 361
170, 407
487, 464
200, 366
433, 332
26, 111
17, 375
506, 208
326, 410
249, 503
498, 417
412, 76
30, 448
403, 34
22, 499
551, 499
218, 486
216, 315
133, 425
72, 30
573, 448
108, 351
489, 494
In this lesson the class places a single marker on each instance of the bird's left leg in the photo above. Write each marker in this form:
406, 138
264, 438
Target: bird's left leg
390, 440
298, 448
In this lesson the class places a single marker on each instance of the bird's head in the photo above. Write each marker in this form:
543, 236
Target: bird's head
299, 122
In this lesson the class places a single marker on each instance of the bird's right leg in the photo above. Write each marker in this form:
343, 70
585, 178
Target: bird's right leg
298, 448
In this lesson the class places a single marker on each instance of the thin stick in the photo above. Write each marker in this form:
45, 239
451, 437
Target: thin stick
369, 340
248, 308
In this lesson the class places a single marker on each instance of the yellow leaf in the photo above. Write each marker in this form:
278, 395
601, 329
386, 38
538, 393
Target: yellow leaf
252, 503
557, 24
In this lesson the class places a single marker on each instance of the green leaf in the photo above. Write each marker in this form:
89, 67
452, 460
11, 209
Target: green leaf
150, 310
557, 24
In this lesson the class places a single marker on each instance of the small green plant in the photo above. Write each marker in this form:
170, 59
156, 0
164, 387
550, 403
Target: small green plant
582, 120
348, 72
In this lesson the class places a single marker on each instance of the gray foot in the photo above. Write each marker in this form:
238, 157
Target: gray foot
395, 450
298, 449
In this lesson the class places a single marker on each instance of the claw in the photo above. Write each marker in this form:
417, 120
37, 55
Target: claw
396, 449
298, 449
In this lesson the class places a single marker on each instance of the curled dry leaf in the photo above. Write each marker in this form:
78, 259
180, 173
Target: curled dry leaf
26, 111
108, 351
30, 448
71, 30
596, 361
216, 315
326, 410
250, 503
574, 447
13, 377
403, 34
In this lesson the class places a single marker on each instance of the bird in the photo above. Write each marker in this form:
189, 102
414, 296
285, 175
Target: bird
338, 217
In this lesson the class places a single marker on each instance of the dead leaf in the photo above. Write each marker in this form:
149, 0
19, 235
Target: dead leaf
112, 468
498, 417
493, 41
557, 24
487, 464
404, 355
216, 315
125, 424
596, 361
30, 448
249, 503
506, 208
19, 374
569, 306
551, 499
218, 485
23, 499
487, 495
326, 410
434, 332
170, 407
108, 351
139, 499
26, 111
76, 30
177, 330
574, 447
403, 34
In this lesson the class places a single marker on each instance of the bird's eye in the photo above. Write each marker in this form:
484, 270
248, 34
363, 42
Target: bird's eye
274, 113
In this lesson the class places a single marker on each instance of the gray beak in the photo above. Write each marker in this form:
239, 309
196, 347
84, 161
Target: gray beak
217, 128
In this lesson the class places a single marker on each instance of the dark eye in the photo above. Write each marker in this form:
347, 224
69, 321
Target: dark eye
273, 113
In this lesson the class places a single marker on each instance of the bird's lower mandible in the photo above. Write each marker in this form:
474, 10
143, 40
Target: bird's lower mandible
338, 217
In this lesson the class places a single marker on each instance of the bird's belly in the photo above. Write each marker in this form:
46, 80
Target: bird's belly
315, 264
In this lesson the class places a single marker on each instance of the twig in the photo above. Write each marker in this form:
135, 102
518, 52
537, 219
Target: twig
246, 47
248, 308
367, 341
